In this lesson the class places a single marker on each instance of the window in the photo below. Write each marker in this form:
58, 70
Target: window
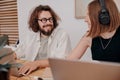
9, 20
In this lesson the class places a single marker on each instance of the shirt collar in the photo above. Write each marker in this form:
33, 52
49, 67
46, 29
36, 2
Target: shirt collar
52, 34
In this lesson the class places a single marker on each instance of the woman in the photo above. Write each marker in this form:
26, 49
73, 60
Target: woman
103, 36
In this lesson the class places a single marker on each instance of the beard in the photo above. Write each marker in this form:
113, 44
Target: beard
47, 33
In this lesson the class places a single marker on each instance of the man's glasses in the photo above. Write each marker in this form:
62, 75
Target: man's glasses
44, 20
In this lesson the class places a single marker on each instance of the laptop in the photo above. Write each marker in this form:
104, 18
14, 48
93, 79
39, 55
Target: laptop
81, 70
7, 57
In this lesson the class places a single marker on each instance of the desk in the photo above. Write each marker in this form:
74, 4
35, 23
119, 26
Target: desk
44, 73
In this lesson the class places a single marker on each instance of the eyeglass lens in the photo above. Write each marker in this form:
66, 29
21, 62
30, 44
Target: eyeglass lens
44, 20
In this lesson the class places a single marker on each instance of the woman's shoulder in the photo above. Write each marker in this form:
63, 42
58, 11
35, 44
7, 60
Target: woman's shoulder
87, 39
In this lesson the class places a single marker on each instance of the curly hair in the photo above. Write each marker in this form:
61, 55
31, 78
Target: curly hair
33, 23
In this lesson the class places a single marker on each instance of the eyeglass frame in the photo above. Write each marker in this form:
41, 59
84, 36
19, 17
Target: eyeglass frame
44, 20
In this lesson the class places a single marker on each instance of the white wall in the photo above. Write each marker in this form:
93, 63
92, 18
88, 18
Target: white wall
64, 8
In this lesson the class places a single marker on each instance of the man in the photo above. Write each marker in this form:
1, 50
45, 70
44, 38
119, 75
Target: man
47, 41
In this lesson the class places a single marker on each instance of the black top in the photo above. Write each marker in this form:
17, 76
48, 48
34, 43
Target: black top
106, 49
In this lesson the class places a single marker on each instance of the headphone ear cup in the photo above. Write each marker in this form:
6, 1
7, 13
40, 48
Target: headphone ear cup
104, 18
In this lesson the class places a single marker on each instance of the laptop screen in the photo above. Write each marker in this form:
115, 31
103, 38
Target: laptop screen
79, 70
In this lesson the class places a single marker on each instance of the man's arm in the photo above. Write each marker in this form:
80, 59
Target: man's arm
28, 67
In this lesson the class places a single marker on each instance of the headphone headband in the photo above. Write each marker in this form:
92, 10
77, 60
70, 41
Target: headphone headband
102, 4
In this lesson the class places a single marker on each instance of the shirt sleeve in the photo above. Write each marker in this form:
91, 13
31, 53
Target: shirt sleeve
62, 47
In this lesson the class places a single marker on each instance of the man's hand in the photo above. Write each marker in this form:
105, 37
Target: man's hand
28, 67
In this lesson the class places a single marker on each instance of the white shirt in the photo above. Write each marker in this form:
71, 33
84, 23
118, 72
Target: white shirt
59, 45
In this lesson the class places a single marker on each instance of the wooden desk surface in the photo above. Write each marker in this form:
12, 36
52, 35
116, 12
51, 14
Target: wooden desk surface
44, 73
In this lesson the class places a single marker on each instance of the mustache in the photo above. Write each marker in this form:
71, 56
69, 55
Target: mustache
48, 25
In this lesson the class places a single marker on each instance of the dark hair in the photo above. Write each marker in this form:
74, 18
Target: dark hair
33, 23
97, 28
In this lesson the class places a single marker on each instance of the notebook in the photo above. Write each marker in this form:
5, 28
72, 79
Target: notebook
81, 70
6, 56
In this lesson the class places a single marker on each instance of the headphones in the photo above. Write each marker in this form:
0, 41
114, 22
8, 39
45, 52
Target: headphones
104, 17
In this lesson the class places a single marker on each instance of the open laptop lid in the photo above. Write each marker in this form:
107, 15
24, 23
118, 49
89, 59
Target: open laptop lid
79, 70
